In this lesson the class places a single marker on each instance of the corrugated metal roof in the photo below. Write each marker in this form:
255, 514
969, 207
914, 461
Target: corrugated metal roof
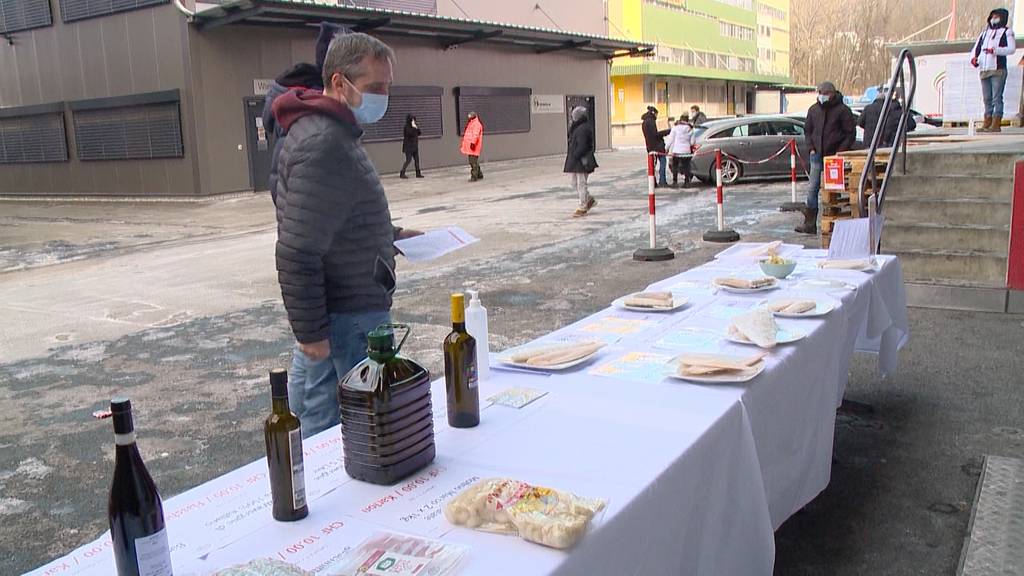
285, 12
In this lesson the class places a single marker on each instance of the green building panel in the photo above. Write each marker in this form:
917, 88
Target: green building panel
694, 31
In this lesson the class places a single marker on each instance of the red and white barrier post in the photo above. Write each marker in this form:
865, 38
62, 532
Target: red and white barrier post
652, 253
793, 205
721, 234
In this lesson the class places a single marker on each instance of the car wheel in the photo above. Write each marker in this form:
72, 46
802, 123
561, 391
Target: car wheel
731, 172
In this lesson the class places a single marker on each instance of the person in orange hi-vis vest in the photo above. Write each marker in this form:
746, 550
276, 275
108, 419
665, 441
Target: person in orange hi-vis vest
472, 144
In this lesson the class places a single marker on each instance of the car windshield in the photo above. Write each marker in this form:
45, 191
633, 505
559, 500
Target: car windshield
699, 131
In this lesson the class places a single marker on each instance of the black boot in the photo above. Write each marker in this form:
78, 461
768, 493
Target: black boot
810, 225
402, 175
419, 174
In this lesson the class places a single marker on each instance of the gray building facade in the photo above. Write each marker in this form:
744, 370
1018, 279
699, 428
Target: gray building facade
137, 98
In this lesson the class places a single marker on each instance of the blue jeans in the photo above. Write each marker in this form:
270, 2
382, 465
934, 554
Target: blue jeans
662, 178
814, 180
992, 93
313, 385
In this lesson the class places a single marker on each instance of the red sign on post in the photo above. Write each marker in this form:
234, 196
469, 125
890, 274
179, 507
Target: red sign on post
833, 176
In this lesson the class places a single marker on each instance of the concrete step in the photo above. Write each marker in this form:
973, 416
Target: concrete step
958, 296
959, 163
950, 187
952, 266
940, 237
972, 212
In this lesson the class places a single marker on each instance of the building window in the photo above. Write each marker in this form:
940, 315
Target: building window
771, 11
730, 30
33, 134
502, 110
135, 127
18, 15
648, 91
423, 102
71, 10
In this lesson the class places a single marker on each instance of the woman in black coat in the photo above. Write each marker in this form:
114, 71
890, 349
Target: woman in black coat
579, 158
411, 145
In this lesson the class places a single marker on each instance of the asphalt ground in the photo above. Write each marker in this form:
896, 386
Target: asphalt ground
176, 305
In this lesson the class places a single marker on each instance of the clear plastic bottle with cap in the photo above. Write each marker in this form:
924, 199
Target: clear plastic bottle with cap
476, 325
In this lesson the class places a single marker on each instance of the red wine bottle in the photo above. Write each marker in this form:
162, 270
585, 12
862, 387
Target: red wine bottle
136, 514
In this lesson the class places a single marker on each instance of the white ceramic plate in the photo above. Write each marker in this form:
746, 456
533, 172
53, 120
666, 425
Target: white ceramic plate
677, 303
865, 266
824, 284
782, 336
506, 359
772, 286
823, 305
725, 378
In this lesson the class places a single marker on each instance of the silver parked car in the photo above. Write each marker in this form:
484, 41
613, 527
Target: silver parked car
749, 139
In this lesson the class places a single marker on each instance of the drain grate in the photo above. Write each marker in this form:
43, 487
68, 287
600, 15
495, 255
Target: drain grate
995, 535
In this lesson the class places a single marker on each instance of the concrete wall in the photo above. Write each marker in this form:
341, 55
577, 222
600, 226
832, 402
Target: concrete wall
583, 16
120, 54
226, 60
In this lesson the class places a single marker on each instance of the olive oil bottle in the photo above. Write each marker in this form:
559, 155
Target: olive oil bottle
284, 453
460, 371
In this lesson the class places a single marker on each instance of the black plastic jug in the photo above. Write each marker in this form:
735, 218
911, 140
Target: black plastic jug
387, 426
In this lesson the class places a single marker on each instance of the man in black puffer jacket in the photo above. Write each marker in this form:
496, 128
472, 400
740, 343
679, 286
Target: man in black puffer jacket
335, 251
830, 128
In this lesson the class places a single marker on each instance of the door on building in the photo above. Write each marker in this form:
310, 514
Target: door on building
751, 105
259, 142
585, 101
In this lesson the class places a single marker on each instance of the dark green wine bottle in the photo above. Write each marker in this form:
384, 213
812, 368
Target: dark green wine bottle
137, 530
284, 453
460, 374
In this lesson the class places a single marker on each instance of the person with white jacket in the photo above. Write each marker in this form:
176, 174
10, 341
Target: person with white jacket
680, 149
989, 57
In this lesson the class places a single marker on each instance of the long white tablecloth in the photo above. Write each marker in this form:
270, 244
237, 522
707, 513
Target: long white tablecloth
697, 477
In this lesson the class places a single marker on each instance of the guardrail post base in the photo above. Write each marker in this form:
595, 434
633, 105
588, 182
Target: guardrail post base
653, 254
722, 236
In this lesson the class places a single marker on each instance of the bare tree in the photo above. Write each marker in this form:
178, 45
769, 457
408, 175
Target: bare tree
845, 40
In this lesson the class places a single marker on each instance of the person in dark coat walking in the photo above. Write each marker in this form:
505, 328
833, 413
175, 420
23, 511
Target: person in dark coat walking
300, 76
411, 145
579, 158
873, 112
830, 128
655, 141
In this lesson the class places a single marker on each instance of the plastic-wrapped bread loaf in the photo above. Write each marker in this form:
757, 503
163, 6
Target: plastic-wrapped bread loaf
542, 515
263, 567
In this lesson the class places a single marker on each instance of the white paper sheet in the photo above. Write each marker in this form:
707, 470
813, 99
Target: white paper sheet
851, 239
435, 243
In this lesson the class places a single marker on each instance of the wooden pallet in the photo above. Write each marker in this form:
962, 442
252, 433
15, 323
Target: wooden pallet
837, 204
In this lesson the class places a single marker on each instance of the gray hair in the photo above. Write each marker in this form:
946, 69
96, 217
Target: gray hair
347, 54
578, 112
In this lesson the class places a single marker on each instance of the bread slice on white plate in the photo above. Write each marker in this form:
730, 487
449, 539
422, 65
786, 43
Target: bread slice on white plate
757, 326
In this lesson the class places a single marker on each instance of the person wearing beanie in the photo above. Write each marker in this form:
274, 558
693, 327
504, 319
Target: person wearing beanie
830, 128
655, 141
298, 77
988, 55
579, 158
473, 144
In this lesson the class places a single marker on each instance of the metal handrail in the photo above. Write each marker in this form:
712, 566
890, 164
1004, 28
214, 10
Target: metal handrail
899, 80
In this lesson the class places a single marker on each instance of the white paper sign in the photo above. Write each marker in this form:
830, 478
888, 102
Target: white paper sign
260, 86
851, 239
435, 243
547, 104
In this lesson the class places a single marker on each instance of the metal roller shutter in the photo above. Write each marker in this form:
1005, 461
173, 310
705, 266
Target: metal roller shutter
130, 133
18, 15
37, 138
502, 110
423, 102
71, 10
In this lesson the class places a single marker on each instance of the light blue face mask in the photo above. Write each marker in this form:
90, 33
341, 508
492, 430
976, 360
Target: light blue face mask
823, 98
372, 109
